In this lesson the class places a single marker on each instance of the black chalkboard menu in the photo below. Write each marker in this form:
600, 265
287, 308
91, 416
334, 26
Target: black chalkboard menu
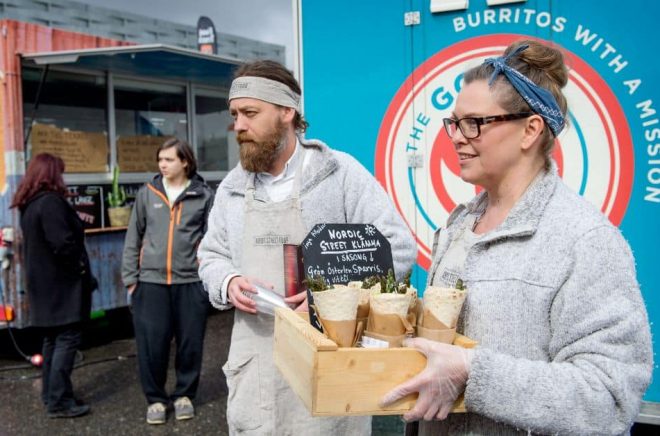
90, 201
345, 252
341, 253
131, 190
87, 200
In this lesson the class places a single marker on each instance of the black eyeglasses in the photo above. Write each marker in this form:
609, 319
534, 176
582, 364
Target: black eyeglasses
471, 127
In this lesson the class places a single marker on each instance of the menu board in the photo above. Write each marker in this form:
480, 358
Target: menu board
82, 152
345, 252
89, 204
131, 190
137, 154
341, 253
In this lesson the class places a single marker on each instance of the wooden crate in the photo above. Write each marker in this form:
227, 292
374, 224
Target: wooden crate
334, 381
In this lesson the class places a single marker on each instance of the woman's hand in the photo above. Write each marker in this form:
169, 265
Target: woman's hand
441, 382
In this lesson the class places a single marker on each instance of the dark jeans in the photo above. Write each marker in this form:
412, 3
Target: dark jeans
59, 352
161, 312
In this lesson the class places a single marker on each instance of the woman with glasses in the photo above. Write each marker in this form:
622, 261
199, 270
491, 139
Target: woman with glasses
552, 295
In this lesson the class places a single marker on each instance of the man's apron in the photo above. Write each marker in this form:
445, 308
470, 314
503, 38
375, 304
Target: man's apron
260, 401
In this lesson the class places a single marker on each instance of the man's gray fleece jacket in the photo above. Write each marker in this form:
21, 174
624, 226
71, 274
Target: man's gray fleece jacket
553, 300
335, 189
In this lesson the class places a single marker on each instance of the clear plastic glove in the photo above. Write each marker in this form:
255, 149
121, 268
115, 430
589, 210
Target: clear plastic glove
441, 382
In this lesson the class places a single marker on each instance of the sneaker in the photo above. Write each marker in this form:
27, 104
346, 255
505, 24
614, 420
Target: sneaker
156, 413
70, 412
183, 409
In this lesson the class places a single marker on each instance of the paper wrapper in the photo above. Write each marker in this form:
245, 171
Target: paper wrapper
440, 311
388, 318
337, 309
389, 327
430, 328
444, 303
344, 333
363, 306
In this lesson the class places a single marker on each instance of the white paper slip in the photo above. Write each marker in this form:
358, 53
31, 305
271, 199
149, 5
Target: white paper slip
368, 342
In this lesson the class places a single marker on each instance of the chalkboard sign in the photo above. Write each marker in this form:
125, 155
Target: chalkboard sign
345, 252
341, 253
88, 203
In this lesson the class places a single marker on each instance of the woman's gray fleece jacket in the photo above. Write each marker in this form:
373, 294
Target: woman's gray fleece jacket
335, 189
553, 300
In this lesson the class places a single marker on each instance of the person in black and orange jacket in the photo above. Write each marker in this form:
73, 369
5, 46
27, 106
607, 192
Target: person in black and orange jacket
159, 268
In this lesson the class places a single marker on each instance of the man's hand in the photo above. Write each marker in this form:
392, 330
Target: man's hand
236, 290
443, 380
131, 288
299, 301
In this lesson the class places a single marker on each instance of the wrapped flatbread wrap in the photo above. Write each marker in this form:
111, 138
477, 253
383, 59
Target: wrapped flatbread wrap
337, 310
338, 303
440, 312
388, 312
390, 303
445, 304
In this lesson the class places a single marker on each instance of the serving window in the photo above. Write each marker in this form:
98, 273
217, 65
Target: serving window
146, 115
217, 149
66, 115
96, 120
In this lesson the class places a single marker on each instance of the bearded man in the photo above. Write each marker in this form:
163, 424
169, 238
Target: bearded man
283, 186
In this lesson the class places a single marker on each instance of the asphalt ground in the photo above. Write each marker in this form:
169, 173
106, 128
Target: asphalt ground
106, 377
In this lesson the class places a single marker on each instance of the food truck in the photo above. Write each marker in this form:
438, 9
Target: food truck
104, 106
378, 77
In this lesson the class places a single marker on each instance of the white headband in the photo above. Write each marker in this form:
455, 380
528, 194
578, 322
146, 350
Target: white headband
264, 89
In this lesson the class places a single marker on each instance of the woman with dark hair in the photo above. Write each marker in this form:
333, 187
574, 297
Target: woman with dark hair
159, 269
59, 281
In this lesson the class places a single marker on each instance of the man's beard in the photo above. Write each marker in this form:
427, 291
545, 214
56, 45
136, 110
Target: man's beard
259, 156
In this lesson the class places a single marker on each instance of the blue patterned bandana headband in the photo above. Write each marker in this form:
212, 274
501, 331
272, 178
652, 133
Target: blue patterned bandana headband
540, 100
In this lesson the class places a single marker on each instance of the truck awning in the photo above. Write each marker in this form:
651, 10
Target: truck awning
149, 60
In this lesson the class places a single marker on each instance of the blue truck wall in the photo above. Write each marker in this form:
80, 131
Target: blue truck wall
378, 90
